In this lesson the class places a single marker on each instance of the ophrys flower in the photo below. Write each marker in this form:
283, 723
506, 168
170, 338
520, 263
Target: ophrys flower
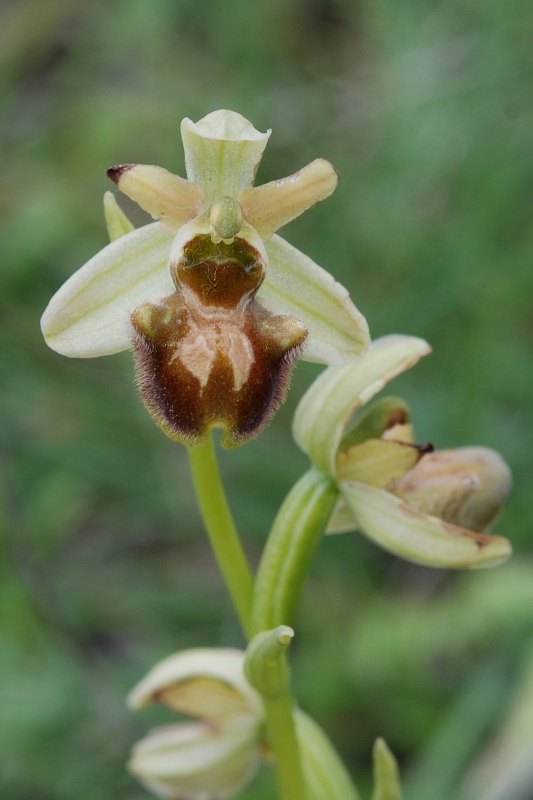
215, 306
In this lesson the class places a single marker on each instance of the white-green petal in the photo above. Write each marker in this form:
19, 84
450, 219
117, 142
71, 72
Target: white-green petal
196, 761
90, 314
338, 332
338, 392
225, 665
222, 153
401, 529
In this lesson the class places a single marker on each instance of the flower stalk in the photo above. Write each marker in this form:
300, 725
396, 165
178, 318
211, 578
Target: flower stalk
290, 548
267, 670
221, 529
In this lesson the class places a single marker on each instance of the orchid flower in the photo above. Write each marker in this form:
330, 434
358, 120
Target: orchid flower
218, 753
432, 508
215, 306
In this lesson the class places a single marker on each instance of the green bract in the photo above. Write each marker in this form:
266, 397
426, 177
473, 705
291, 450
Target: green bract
430, 508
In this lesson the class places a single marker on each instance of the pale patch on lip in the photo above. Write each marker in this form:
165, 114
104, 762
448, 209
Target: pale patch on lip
197, 352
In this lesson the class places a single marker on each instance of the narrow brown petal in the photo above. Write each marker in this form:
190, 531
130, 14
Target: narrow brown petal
272, 205
167, 197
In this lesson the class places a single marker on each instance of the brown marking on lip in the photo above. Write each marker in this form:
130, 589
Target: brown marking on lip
209, 355
220, 274
115, 173
186, 407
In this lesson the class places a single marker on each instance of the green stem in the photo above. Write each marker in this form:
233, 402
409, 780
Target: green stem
289, 551
285, 746
221, 528
267, 670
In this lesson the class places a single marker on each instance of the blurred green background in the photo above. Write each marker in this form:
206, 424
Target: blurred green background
426, 110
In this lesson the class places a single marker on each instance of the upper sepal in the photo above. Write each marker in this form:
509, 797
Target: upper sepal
170, 682
222, 153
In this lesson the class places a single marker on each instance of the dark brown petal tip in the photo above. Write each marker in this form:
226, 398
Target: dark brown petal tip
115, 173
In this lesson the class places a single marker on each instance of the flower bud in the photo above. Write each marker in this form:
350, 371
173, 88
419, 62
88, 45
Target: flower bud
214, 756
465, 487
266, 664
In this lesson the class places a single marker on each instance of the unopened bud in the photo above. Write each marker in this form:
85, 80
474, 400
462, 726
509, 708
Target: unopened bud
266, 664
466, 486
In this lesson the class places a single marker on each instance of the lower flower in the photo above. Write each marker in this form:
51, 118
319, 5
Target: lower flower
215, 756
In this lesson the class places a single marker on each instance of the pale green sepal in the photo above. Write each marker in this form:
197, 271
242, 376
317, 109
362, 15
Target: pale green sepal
222, 153
117, 222
223, 665
197, 761
90, 314
386, 776
338, 392
294, 284
266, 662
401, 529
325, 774
290, 549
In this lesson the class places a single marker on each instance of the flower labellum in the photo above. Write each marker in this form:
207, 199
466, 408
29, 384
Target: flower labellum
210, 355
215, 305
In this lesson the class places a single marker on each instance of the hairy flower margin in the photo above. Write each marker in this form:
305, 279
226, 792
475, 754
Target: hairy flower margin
214, 304
431, 508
